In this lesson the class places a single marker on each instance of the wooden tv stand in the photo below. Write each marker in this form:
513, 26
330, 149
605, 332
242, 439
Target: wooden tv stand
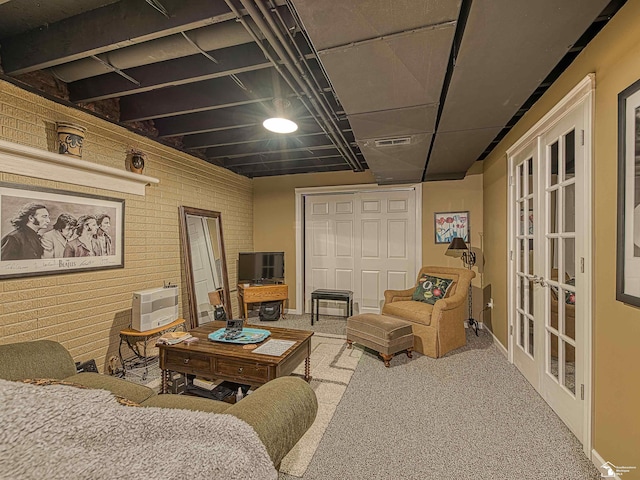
261, 293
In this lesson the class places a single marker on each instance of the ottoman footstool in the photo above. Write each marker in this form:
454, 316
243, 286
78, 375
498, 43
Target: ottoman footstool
386, 335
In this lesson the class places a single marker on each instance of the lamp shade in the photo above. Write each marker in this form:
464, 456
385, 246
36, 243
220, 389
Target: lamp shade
456, 248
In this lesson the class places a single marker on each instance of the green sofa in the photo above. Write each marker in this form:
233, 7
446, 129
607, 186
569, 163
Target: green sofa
280, 411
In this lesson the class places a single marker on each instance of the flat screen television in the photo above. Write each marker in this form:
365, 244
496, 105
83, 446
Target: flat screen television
261, 267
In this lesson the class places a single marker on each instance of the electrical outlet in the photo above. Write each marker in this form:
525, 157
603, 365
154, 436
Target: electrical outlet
490, 304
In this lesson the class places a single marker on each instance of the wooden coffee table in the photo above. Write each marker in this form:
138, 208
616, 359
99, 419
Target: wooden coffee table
228, 361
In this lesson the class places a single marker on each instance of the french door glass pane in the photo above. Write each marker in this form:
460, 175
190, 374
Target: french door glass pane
569, 367
570, 155
553, 212
570, 257
553, 258
520, 183
569, 315
521, 330
531, 297
531, 332
553, 359
570, 208
553, 157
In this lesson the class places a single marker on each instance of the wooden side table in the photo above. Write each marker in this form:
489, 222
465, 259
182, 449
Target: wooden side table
131, 337
261, 293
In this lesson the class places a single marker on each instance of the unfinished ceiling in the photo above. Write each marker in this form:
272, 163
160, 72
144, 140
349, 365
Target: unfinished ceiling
412, 90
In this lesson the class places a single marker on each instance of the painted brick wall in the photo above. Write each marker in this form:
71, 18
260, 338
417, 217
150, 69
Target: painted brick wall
86, 311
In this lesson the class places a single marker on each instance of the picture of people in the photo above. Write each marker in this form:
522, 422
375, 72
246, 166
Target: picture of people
55, 240
45, 231
23, 242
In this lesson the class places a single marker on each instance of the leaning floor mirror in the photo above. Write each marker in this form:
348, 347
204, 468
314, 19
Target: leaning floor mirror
205, 265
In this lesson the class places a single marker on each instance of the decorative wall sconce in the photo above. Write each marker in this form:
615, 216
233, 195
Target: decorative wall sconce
135, 161
70, 139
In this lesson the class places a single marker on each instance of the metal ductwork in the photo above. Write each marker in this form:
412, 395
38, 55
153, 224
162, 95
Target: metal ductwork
295, 75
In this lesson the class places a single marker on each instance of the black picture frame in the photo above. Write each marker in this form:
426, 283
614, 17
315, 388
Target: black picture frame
628, 229
22, 256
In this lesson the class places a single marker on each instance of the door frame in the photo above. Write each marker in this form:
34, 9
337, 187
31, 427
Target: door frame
583, 92
303, 192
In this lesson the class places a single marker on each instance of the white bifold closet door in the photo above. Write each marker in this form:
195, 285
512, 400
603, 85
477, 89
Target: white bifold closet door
361, 241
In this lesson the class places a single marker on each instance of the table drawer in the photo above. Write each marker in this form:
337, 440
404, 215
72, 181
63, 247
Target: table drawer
240, 370
187, 362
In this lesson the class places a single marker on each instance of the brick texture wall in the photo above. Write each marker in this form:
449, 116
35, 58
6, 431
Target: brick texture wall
86, 311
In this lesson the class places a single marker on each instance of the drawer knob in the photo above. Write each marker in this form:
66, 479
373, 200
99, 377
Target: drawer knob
186, 360
240, 370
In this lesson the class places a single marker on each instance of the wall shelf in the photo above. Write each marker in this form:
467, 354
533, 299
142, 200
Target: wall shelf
33, 162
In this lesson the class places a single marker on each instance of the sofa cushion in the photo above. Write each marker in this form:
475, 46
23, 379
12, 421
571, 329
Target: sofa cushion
430, 289
118, 386
418, 312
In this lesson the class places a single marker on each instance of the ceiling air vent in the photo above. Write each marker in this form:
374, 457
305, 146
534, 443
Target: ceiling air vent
392, 142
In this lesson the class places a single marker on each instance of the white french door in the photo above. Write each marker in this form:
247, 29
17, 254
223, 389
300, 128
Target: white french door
360, 241
563, 200
526, 351
550, 231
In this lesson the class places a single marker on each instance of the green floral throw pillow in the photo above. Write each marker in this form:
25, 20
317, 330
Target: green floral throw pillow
431, 289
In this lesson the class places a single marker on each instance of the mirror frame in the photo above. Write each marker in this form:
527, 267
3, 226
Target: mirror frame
186, 250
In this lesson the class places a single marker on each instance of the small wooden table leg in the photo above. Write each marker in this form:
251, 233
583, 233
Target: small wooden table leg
165, 381
386, 358
307, 369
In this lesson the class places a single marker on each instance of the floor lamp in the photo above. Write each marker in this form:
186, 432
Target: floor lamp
458, 248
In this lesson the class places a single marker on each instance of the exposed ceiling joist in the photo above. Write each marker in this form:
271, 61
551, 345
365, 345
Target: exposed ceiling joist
411, 90
103, 29
179, 71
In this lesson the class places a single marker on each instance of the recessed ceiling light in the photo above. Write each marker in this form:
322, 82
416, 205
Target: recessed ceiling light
280, 125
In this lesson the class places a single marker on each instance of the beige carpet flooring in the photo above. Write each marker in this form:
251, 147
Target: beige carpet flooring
332, 365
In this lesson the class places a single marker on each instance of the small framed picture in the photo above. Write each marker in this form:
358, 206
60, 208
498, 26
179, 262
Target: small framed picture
449, 225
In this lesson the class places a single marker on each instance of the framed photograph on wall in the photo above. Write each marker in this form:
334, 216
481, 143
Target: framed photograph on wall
628, 248
450, 225
45, 231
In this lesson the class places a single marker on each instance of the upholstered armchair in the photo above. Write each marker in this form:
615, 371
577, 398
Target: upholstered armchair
437, 328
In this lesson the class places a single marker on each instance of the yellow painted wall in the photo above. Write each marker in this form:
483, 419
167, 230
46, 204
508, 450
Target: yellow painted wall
275, 227
86, 311
614, 56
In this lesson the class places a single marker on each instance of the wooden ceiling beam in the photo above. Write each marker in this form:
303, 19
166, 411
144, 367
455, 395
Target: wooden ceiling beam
104, 29
179, 71
197, 97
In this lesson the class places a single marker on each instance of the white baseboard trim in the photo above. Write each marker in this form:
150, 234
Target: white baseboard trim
292, 311
598, 461
501, 348
480, 324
